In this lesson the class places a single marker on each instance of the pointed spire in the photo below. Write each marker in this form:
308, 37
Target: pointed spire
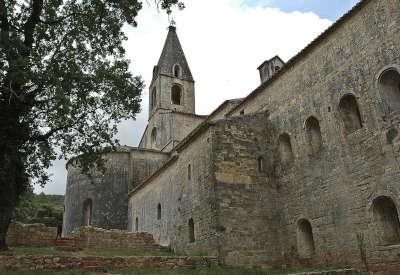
172, 54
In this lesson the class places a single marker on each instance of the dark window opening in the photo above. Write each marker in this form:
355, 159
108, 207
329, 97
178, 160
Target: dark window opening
389, 83
177, 71
386, 221
189, 172
242, 112
191, 231
314, 137
176, 95
159, 211
87, 212
277, 68
350, 114
137, 224
305, 239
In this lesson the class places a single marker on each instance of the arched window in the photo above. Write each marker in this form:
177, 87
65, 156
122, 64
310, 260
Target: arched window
176, 94
189, 172
386, 221
314, 138
153, 98
389, 84
87, 212
177, 70
159, 211
305, 239
285, 149
260, 164
154, 136
137, 224
350, 114
191, 231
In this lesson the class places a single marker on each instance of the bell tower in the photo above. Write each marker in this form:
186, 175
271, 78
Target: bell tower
171, 98
172, 86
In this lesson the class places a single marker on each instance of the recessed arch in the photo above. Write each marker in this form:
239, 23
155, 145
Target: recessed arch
313, 135
87, 212
350, 113
389, 88
386, 220
285, 149
305, 239
176, 94
177, 70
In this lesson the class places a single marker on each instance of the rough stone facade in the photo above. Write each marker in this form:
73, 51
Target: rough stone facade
104, 197
19, 234
303, 171
89, 237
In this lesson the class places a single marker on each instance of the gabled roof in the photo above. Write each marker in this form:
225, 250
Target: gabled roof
172, 54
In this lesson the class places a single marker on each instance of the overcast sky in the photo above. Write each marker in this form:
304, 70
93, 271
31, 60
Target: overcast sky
224, 42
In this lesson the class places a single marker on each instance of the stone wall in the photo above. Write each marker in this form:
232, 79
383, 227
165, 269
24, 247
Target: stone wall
107, 194
143, 163
93, 263
97, 238
246, 196
19, 234
333, 188
183, 190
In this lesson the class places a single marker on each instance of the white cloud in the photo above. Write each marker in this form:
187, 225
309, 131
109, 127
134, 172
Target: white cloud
224, 43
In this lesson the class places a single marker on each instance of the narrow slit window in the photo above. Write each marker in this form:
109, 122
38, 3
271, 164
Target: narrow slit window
260, 164
191, 231
159, 211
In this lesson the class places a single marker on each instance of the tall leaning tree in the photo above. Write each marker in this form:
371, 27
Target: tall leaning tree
64, 86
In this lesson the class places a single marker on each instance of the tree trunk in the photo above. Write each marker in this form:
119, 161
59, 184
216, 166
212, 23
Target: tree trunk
13, 182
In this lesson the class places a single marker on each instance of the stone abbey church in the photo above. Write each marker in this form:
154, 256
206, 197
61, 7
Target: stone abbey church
290, 174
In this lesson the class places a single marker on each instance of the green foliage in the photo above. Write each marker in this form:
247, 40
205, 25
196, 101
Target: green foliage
64, 78
42, 208
64, 87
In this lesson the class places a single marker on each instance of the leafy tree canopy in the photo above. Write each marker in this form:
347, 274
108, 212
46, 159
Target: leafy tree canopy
64, 83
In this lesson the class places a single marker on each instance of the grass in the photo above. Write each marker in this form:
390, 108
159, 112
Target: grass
155, 271
46, 250
70, 272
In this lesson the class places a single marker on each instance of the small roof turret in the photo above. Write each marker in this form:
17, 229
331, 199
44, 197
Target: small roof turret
172, 55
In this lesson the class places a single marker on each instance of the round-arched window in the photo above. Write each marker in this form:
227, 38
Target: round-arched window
176, 94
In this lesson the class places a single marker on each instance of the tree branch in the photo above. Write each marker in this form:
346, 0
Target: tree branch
30, 25
4, 24
46, 136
